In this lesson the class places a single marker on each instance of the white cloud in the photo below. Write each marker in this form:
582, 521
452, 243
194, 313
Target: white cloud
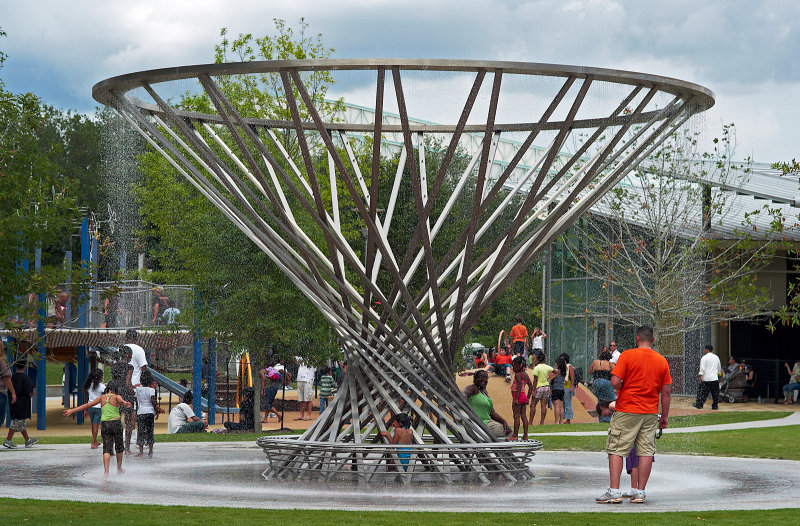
746, 52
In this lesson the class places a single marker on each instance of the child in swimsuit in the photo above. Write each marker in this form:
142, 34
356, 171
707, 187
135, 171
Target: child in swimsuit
402, 434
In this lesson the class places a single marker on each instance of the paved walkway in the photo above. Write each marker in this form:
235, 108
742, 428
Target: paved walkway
791, 420
229, 475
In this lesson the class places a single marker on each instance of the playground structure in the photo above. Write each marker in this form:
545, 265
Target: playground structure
400, 340
95, 327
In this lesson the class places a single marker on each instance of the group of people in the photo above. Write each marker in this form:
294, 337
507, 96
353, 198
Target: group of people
275, 376
636, 386
129, 403
546, 386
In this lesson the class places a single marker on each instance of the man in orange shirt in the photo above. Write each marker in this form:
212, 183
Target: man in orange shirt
640, 376
519, 338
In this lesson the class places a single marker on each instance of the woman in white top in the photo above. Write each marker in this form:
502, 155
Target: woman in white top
94, 387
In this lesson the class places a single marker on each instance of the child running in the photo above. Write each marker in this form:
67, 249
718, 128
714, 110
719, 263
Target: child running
110, 425
402, 434
147, 412
519, 399
94, 387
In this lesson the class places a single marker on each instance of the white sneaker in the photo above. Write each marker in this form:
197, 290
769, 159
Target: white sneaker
630, 492
638, 497
611, 496
9, 444
31, 442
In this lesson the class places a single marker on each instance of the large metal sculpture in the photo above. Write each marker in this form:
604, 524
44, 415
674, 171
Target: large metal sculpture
402, 297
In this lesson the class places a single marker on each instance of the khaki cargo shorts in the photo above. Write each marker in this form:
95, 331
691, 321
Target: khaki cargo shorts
628, 429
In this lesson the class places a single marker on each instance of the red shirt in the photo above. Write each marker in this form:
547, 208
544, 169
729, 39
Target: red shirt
643, 372
518, 333
501, 359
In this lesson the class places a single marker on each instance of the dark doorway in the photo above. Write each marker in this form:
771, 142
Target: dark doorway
766, 352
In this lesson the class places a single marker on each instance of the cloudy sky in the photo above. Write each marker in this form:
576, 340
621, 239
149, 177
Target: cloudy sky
746, 51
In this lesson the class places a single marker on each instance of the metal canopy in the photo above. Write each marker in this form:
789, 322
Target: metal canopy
750, 189
402, 297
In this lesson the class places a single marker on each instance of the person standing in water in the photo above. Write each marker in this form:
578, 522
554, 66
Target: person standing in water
110, 424
641, 376
401, 434
94, 387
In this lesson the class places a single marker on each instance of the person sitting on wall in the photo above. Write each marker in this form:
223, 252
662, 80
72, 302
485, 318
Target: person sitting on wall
170, 316
479, 400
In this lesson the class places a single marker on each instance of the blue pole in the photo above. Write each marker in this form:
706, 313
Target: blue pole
212, 380
10, 361
84, 362
82, 315
197, 366
67, 315
41, 365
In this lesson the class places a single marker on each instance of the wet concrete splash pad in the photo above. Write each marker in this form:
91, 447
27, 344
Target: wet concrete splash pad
230, 475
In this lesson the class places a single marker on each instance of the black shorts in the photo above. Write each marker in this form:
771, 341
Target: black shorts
269, 397
519, 348
144, 431
557, 394
112, 436
501, 368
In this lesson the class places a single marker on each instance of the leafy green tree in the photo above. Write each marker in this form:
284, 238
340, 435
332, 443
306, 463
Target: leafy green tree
38, 208
243, 297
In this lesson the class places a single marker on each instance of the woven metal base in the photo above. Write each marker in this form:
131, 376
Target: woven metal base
297, 459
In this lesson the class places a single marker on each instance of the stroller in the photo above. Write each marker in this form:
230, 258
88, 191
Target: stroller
733, 387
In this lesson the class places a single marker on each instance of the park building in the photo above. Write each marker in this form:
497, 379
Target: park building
579, 312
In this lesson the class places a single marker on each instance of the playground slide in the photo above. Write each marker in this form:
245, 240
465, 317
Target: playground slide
178, 389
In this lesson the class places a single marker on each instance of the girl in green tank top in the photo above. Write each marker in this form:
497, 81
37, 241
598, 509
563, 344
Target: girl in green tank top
109, 406
110, 403
108, 411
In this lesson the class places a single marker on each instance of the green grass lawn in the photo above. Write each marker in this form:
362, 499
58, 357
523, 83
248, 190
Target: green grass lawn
700, 419
775, 442
66, 512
